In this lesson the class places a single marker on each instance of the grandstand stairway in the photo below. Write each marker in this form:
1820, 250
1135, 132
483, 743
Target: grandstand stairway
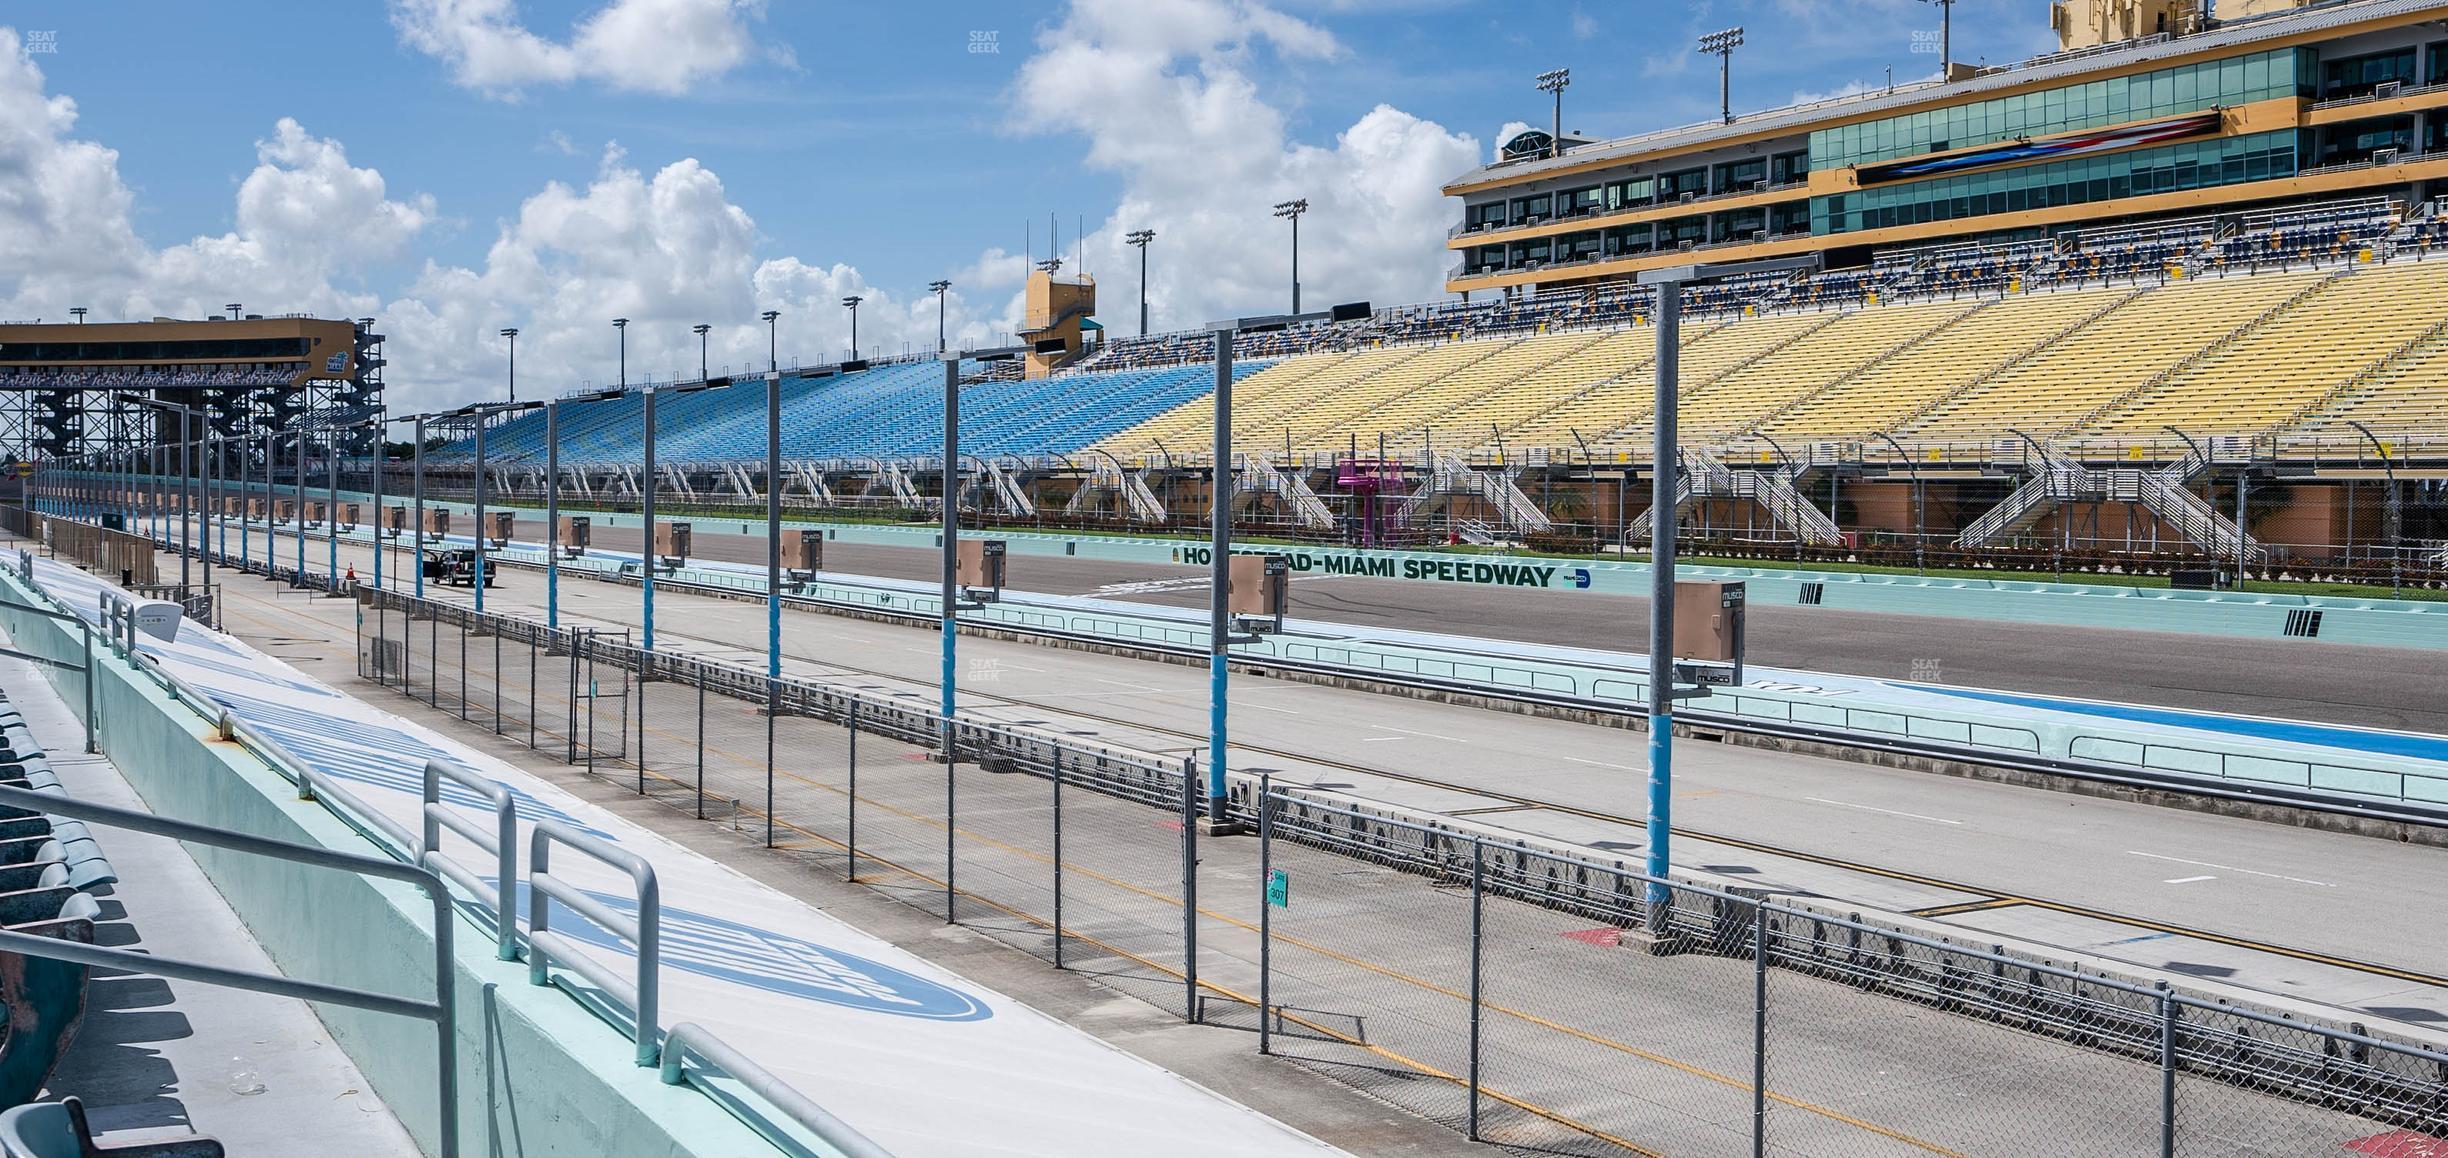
2057, 481
1259, 474
1448, 476
1130, 486
1706, 476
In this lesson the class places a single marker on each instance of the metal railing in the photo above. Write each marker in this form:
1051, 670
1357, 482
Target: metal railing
501, 841
688, 1038
640, 992
441, 1010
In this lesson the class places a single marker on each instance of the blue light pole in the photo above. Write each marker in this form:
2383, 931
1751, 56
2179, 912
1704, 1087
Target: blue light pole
646, 489
1667, 284
773, 498
1219, 545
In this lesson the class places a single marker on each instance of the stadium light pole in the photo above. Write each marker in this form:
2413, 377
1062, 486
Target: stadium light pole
1554, 81
1667, 284
1140, 239
511, 333
1291, 211
234, 309
622, 325
1722, 44
851, 302
483, 413
939, 287
1219, 537
1946, 37
773, 507
701, 329
79, 313
646, 510
951, 476
416, 519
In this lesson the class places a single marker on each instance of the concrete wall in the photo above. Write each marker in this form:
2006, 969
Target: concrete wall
539, 1076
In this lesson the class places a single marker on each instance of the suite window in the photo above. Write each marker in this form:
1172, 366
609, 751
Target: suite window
1673, 186
1735, 175
1785, 168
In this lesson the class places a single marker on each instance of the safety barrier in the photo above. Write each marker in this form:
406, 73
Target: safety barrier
501, 841
644, 931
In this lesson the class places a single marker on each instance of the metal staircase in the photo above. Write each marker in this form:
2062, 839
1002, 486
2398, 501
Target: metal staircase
1265, 476
1137, 501
1706, 476
2056, 481
1448, 475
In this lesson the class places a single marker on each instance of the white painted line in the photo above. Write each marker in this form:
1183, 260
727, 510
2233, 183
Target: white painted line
2189, 880
1601, 764
1888, 811
2231, 868
1271, 708
1409, 732
1381, 739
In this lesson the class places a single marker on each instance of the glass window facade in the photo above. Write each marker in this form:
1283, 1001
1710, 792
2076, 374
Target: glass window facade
1682, 181
2188, 88
2357, 75
2167, 169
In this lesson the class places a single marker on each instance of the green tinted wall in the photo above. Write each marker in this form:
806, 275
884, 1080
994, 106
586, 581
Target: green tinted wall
2184, 89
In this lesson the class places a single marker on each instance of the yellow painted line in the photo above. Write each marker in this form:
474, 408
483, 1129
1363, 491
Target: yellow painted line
1968, 907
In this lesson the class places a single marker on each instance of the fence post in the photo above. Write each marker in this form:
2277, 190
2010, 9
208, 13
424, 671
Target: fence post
773, 709
1058, 859
645, 673
1190, 820
92, 744
701, 709
1266, 913
461, 626
1759, 1029
497, 701
951, 755
2167, 1071
1477, 916
535, 698
853, 841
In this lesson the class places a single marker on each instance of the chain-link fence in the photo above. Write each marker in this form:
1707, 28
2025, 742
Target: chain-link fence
1556, 1004
1528, 996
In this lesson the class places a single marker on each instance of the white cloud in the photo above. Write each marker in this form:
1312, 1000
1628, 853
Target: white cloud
1170, 96
1164, 94
663, 46
306, 220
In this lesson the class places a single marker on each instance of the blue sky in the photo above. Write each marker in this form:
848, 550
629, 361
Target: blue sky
859, 146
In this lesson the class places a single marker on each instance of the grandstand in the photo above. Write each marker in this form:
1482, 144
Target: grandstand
2208, 247
2272, 332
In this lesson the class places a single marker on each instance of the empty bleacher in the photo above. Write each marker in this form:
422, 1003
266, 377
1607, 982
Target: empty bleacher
49, 868
1978, 344
1838, 350
886, 411
2304, 353
2097, 363
2231, 325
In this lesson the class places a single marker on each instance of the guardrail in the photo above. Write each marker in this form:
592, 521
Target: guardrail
687, 1038
502, 842
442, 1011
645, 930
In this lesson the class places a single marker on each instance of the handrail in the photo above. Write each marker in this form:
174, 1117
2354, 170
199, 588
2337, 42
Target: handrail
502, 842
644, 930
442, 1010
688, 1037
